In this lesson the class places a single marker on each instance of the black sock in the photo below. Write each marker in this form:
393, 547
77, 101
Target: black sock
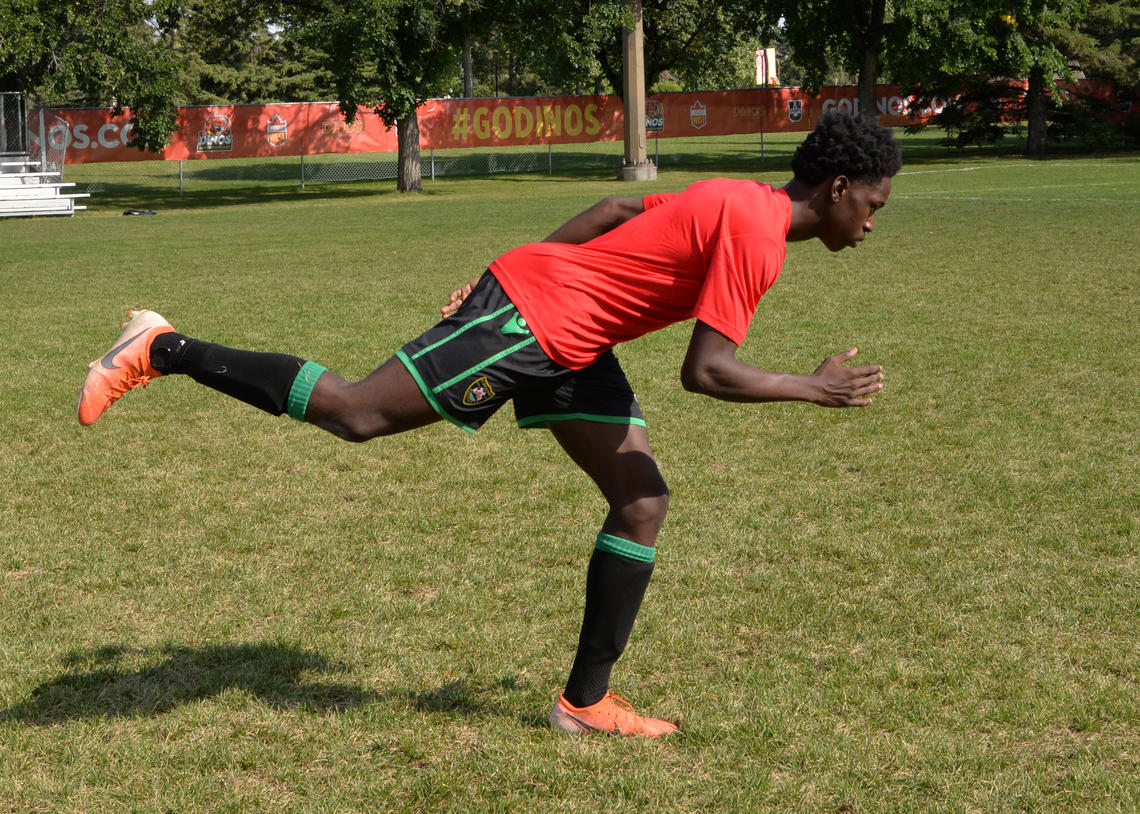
615, 586
260, 379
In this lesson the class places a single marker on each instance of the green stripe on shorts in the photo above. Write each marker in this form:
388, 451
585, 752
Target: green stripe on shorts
428, 394
460, 331
483, 364
541, 421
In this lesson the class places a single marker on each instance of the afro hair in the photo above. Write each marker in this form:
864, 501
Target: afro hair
841, 144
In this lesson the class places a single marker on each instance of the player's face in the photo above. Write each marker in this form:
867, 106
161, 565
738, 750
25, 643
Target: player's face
851, 215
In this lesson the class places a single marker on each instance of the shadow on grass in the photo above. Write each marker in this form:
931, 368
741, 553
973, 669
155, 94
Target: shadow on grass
122, 195
97, 684
462, 699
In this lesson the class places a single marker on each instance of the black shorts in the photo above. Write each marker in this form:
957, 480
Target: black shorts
484, 354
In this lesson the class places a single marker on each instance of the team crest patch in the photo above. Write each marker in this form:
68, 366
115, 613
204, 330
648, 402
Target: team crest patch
698, 114
479, 392
277, 131
216, 135
654, 117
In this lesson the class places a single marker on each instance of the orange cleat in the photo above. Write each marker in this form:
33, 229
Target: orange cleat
124, 367
613, 714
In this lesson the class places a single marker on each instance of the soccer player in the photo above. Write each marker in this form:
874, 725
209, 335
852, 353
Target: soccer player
539, 328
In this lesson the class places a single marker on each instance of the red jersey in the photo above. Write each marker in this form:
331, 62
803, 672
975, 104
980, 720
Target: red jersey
709, 252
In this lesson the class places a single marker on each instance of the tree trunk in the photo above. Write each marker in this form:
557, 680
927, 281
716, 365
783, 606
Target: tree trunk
612, 75
1036, 107
468, 71
409, 178
872, 60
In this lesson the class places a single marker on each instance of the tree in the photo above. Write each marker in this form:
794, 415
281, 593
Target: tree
848, 33
99, 52
1033, 31
1106, 42
1104, 45
704, 45
236, 52
392, 55
975, 45
578, 49
514, 56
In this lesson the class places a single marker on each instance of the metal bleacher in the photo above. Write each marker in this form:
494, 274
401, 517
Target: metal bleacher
31, 167
26, 192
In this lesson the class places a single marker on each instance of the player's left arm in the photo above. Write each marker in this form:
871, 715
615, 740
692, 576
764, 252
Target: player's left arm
606, 214
711, 368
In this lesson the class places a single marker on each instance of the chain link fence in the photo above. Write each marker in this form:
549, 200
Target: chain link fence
187, 176
602, 158
49, 153
382, 167
13, 125
25, 141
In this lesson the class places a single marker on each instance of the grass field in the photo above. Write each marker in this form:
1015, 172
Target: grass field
932, 604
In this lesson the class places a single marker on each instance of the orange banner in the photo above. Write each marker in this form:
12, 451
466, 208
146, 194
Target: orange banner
250, 131
226, 131
538, 120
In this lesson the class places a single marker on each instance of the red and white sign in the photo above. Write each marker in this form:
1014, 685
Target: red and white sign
250, 131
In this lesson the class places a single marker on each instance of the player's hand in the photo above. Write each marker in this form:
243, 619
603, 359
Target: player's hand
840, 386
456, 299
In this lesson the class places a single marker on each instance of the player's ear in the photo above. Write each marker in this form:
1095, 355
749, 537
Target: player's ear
840, 185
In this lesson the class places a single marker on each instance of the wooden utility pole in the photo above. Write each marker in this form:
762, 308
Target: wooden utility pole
636, 165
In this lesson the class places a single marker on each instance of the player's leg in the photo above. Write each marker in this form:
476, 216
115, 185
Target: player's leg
386, 402
618, 459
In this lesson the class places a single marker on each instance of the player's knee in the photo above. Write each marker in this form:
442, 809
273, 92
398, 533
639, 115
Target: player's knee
356, 432
347, 427
363, 424
645, 511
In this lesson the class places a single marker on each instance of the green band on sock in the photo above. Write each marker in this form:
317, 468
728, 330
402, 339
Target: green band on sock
303, 388
624, 548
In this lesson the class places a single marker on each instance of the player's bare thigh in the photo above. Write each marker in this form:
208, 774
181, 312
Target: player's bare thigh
386, 402
617, 457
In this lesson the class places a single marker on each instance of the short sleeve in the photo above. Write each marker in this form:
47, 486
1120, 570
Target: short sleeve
741, 269
658, 198
742, 260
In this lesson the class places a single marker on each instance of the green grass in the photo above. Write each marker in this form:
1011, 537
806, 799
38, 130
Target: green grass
929, 605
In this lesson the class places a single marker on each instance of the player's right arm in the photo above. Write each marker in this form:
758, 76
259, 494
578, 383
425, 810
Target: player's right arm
711, 368
456, 298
